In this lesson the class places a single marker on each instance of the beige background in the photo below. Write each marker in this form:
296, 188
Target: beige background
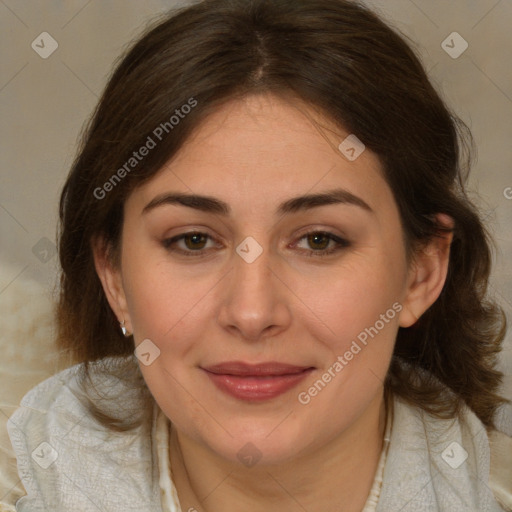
44, 102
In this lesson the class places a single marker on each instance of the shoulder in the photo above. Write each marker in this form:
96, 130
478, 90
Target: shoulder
465, 441
61, 447
65, 399
437, 464
501, 468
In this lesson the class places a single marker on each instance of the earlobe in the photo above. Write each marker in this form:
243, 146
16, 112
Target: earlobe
428, 273
110, 277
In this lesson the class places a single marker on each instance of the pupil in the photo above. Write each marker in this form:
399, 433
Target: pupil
193, 240
317, 239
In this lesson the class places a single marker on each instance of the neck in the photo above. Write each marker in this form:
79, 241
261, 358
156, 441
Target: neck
336, 477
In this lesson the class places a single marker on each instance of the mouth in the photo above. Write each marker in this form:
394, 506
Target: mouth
256, 382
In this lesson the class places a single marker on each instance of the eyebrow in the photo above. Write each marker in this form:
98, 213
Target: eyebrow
301, 203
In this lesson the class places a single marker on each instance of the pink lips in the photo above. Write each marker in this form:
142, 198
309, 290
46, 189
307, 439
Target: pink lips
256, 382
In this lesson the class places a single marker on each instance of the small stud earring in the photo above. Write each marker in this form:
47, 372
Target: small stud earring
123, 329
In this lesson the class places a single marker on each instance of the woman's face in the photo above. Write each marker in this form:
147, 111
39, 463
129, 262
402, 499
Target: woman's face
260, 269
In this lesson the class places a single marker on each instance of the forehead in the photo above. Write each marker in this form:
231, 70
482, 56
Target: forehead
263, 149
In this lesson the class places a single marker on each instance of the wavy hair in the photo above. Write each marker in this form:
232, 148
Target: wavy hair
352, 67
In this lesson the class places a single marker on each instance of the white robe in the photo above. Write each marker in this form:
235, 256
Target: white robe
68, 461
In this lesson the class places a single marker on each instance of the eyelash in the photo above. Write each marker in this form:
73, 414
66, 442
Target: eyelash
340, 244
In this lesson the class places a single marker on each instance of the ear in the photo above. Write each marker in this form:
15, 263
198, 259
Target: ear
111, 280
427, 274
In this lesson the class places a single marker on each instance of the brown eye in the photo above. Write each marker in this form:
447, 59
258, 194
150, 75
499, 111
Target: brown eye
195, 241
318, 241
190, 244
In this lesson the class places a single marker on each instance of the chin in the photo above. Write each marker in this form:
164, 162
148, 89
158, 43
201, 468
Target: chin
260, 442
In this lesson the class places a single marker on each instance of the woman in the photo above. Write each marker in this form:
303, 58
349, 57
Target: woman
268, 207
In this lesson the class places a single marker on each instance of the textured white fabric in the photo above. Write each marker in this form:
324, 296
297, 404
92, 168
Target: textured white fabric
94, 467
98, 469
501, 468
424, 470
373, 497
169, 494
28, 357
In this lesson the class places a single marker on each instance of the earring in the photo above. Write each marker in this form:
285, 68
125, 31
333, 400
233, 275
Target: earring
123, 329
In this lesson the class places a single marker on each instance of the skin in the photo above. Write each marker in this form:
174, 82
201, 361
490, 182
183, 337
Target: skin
289, 305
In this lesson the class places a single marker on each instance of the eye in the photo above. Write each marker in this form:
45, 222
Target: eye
189, 244
195, 243
322, 243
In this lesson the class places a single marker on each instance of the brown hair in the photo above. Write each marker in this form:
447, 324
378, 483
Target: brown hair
340, 58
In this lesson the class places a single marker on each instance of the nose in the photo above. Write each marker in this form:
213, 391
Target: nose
255, 300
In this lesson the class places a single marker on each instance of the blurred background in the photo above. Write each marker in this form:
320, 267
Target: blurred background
56, 56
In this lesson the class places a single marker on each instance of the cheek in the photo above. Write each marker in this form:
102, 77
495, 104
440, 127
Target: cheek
163, 300
359, 322
170, 309
359, 311
356, 298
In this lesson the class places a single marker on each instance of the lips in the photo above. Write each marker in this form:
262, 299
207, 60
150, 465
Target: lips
255, 370
256, 382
